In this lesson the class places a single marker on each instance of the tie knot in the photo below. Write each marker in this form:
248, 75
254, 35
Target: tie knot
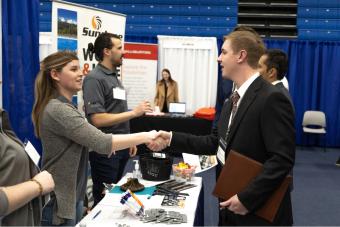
235, 97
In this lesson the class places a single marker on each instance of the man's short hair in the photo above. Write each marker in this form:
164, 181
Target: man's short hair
277, 59
246, 28
245, 40
103, 41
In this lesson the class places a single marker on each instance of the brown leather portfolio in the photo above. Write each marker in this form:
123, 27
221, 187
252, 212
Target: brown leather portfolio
237, 173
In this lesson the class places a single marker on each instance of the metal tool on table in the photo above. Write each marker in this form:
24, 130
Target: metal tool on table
163, 216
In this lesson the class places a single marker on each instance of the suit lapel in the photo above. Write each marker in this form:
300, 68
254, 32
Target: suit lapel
246, 101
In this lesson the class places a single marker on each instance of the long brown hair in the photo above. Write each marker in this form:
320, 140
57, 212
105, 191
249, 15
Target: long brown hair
170, 78
45, 88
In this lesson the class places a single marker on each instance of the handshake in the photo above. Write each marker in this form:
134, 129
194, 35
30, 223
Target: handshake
157, 141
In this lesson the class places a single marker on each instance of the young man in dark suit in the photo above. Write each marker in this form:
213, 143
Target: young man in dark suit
257, 122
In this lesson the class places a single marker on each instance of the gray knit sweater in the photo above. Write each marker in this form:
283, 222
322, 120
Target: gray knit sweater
64, 133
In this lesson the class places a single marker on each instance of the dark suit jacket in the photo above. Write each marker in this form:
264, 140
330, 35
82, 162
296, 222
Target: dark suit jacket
263, 129
284, 90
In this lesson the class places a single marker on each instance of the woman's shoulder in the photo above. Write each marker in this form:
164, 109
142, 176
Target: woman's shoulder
174, 83
57, 108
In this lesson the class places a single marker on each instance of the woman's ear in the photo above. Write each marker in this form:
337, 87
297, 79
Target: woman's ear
55, 75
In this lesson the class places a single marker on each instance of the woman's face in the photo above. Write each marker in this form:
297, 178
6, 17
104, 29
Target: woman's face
70, 78
165, 75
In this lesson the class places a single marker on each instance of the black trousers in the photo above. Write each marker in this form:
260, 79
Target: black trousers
106, 170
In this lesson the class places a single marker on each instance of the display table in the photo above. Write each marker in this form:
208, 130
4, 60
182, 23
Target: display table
110, 212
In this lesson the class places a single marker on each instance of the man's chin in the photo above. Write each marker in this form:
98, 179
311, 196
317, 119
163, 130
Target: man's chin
226, 77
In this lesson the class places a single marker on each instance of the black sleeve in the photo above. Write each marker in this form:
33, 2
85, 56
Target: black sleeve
192, 144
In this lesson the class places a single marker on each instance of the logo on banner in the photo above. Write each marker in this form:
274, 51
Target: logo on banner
96, 22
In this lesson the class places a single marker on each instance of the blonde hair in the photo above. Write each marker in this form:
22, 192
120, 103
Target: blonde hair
45, 88
251, 43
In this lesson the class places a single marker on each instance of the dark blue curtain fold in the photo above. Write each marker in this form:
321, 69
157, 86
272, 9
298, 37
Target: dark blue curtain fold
20, 62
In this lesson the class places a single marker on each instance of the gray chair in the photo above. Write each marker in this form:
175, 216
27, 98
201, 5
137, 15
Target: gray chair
314, 122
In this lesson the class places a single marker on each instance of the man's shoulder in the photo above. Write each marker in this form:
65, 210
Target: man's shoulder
94, 73
267, 91
263, 86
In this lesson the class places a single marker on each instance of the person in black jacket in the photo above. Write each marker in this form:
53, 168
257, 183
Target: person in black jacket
258, 122
273, 66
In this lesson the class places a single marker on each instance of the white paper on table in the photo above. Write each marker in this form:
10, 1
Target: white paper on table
202, 162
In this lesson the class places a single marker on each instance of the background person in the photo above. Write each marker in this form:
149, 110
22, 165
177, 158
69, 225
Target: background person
273, 66
166, 91
106, 108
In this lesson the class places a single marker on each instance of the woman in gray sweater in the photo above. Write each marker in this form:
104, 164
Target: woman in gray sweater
66, 137
21, 186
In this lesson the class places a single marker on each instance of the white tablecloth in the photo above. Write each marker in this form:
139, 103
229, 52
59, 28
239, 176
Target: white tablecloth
113, 213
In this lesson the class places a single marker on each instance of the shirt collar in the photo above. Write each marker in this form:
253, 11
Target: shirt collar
106, 70
62, 99
276, 82
244, 87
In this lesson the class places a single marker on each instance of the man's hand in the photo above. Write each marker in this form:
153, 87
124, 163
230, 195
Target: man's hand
161, 142
234, 205
133, 151
142, 108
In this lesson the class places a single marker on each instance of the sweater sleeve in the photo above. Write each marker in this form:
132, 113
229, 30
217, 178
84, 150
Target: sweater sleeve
3, 203
68, 122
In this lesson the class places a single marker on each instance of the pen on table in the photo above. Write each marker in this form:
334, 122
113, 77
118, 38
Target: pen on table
96, 214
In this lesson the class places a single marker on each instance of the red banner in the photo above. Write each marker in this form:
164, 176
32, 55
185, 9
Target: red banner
141, 51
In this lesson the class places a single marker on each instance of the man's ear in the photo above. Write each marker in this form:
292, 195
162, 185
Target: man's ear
106, 51
54, 75
272, 73
242, 56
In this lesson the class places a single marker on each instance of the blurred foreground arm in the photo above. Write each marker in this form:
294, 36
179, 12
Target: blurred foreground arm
18, 195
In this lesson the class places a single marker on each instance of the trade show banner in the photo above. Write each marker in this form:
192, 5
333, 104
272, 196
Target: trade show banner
74, 26
139, 72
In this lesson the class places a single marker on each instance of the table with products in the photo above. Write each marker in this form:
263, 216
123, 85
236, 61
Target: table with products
110, 211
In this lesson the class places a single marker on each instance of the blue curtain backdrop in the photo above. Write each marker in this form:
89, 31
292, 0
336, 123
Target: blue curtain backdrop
314, 84
20, 60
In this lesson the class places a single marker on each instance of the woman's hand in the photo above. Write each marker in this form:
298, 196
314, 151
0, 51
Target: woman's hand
46, 181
